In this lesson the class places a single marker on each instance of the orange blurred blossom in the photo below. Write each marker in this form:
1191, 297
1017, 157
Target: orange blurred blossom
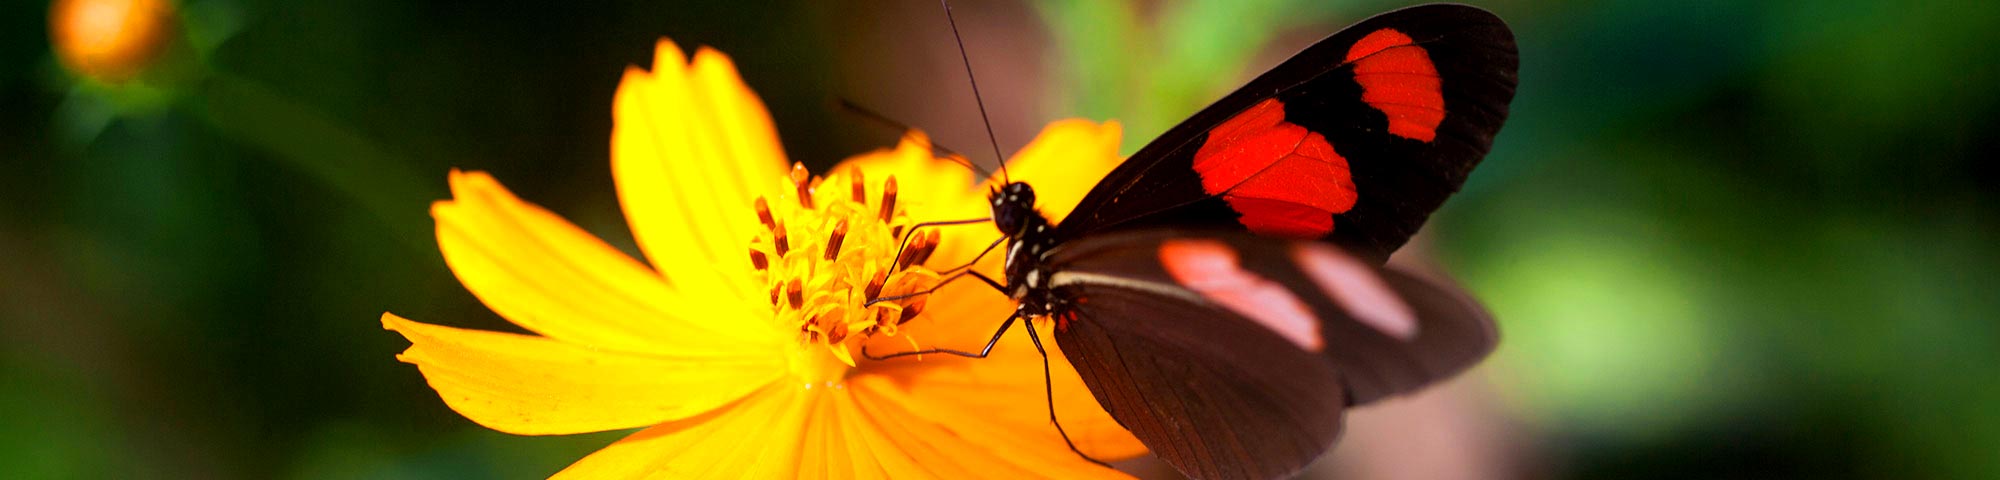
110, 40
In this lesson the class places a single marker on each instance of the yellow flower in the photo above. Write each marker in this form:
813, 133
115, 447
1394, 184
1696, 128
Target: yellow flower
734, 348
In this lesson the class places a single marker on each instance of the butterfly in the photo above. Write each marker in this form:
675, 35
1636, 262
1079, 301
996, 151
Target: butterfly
1222, 292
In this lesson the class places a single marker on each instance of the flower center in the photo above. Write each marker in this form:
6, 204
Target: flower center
828, 247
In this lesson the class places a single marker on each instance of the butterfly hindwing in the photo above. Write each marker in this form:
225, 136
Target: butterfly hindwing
1355, 140
1213, 395
1450, 331
1231, 355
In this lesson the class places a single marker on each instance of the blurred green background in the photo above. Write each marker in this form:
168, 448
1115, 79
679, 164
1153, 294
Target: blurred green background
1724, 239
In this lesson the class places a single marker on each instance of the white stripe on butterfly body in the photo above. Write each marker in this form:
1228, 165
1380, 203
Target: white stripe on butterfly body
1069, 278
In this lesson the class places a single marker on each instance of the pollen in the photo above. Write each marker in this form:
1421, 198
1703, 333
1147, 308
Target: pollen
824, 253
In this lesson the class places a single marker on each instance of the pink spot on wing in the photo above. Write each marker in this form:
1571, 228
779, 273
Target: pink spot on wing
1210, 268
1358, 289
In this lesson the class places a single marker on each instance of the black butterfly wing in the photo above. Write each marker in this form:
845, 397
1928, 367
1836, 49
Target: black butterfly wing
1211, 394
1231, 355
1454, 333
1354, 140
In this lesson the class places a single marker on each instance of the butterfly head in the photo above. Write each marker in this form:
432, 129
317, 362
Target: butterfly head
1012, 206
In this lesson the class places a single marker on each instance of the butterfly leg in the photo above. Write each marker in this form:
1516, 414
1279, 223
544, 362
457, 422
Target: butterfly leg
1049, 392
905, 243
975, 260
983, 352
952, 274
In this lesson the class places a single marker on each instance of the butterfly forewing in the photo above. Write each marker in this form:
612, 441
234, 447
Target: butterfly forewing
1231, 355
1355, 140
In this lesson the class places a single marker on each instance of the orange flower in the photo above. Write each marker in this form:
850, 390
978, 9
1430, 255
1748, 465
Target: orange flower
734, 350
110, 40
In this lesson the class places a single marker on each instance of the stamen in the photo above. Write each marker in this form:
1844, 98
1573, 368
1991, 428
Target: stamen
840, 245
860, 188
778, 239
910, 311
931, 240
909, 253
837, 333
874, 289
795, 293
889, 201
914, 253
833, 241
803, 180
764, 214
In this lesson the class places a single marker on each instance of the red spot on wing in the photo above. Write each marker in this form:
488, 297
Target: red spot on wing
1210, 268
1398, 78
1282, 179
1063, 320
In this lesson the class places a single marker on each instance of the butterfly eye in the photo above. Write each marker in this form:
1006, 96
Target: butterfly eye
1021, 193
1007, 217
1012, 205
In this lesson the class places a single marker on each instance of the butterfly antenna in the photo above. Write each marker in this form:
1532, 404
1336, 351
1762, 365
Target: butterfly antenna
936, 149
995, 141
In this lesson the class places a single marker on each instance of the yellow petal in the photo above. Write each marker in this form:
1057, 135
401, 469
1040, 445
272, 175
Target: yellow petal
548, 276
929, 188
822, 452
691, 148
869, 451
961, 443
876, 454
757, 437
1020, 407
1065, 161
531, 385
784, 432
